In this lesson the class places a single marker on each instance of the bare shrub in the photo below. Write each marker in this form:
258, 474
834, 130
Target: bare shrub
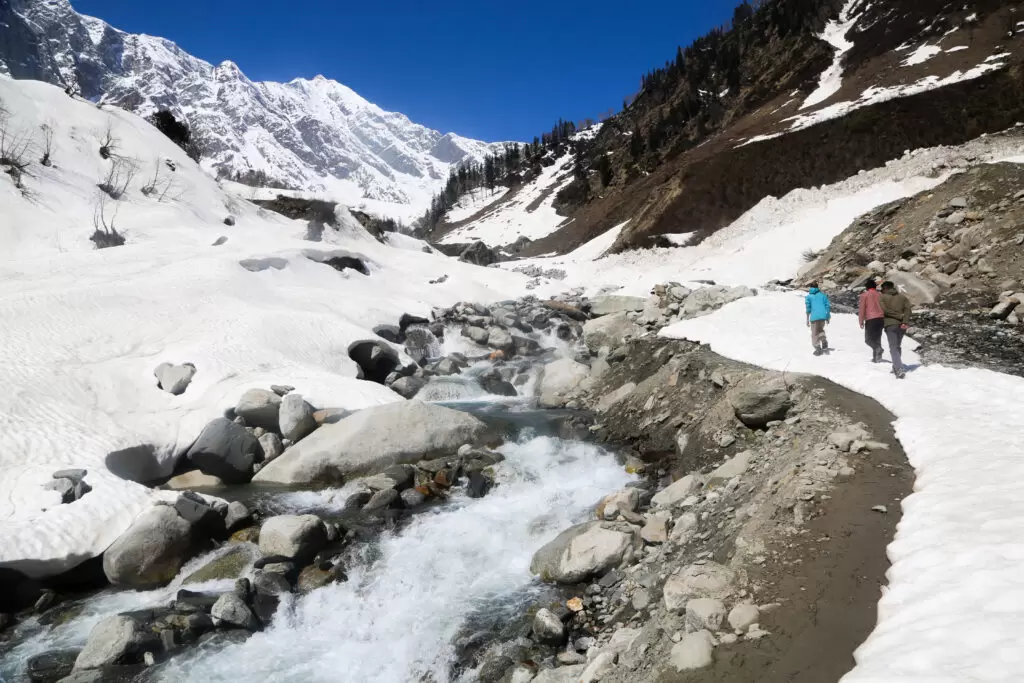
162, 186
120, 175
47, 131
105, 233
811, 255
15, 148
109, 142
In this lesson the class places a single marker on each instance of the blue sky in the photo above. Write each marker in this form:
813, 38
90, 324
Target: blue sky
487, 69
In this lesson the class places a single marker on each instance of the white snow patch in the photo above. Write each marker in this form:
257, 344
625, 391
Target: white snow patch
922, 55
958, 48
588, 133
759, 138
474, 201
877, 94
952, 609
83, 329
831, 80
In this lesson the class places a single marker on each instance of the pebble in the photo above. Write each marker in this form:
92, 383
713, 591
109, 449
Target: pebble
880, 508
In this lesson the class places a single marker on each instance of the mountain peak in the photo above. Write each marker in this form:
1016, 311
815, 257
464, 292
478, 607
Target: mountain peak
317, 135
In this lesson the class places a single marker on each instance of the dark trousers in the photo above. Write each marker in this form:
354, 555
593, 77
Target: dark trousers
873, 333
894, 333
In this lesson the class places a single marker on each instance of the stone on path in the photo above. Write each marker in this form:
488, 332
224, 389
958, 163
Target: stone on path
704, 613
743, 616
694, 651
758, 400
548, 628
708, 580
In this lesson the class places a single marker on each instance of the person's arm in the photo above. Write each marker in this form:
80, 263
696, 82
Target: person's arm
907, 310
807, 305
860, 310
828, 309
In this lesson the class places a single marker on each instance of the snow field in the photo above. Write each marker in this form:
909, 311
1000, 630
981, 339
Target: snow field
514, 218
84, 328
953, 607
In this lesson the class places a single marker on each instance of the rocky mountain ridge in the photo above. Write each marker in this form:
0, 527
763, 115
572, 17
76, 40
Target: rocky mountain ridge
315, 134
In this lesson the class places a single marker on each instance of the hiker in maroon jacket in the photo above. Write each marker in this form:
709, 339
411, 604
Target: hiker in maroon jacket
872, 319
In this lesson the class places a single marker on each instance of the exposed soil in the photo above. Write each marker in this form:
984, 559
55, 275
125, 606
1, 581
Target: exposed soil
828, 577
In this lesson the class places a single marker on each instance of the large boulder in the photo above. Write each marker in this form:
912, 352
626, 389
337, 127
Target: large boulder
583, 551
917, 289
295, 417
610, 304
260, 408
232, 610
372, 440
479, 254
174, 379
558, 379
609, 331
677, 491
500, 339
226, 450
110, 641
694, 651
293, 536
152, 551
707, 299
548, 628
759, 400
421, 344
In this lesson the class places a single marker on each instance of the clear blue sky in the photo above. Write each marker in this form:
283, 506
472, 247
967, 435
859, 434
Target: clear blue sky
487, 69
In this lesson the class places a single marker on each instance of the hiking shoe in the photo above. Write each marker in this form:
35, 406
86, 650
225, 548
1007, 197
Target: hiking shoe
876, 356
900, 374
818, 352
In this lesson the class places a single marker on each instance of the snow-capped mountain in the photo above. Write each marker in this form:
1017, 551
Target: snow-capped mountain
314, 134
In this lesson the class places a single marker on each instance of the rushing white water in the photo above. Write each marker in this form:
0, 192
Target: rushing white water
74, 631
394, 621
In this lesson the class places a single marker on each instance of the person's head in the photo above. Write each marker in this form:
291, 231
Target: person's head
813, 285
888, 286
870, 284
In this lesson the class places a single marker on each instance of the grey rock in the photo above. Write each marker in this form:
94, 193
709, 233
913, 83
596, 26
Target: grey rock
582, 552
368, 441
238, 516
611, 303
270, 583
383, 500
917, 289
477, 334
956, 218
260, 408
501, 340
270, 444
293, 536
282, 389
609, 331
232, 610
759, 400
295, 417
64, 487
709, 580
559, 379
743, 616
733, 467
958, 203
548, 628
694, 651
225, 450
707, 299
407, 387
74, 474
51, 666
677, 491
151, 552
704, 613
174, 379
412, 498
110, 640
563, 674
196, 479
230, 564
655, 531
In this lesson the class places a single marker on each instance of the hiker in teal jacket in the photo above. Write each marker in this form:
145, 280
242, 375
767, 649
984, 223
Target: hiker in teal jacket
819, 313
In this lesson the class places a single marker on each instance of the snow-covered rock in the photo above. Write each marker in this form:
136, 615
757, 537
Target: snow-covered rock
368, 441
174, 379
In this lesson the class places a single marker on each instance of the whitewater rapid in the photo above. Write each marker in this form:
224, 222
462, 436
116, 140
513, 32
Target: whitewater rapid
396, 618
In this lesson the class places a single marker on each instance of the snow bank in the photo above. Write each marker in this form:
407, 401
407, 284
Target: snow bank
476, 200
952, 610
529, 213
84, 328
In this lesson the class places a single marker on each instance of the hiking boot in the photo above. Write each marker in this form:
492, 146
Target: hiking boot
818, 352
901, 373
876, 356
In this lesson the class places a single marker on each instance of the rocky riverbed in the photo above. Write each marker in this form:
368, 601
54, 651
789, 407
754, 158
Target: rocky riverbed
602, 505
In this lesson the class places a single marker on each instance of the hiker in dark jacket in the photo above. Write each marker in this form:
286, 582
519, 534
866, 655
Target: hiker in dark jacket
872, 319
819, 313
897, 318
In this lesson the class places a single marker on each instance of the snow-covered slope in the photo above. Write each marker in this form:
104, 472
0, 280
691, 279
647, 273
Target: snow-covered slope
83, 329
528, 212
312, 134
